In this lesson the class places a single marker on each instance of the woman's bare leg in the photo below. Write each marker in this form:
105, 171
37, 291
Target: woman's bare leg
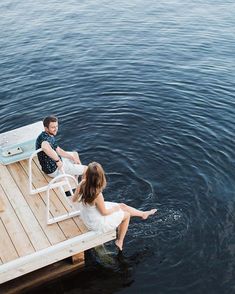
122, 229
136, 212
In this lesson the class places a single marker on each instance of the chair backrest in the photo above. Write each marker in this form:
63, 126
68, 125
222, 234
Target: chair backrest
31, 189
60, 181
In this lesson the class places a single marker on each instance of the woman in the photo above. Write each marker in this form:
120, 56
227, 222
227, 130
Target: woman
100, 215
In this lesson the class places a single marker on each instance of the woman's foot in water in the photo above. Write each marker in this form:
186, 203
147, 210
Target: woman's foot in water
146, 214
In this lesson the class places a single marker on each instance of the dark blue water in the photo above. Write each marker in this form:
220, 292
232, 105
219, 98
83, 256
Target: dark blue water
147, 89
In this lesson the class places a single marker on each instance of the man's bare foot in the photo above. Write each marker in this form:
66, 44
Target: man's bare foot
119, 244
146, 214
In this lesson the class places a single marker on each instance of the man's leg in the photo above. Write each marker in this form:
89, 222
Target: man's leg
72, 168
54, 174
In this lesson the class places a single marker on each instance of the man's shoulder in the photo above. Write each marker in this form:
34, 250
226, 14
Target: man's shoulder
43, 136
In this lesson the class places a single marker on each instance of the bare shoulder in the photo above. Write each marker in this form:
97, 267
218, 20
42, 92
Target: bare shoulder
99, 199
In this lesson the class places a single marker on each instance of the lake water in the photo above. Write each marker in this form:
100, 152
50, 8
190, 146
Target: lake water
147, 88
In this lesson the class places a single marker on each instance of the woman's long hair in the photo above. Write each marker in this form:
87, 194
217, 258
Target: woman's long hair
93, 184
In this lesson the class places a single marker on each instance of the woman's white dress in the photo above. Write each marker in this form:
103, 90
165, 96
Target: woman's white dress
95, 221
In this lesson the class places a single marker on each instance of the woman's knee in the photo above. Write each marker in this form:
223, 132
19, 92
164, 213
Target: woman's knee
75, 154
127, 215
122, 206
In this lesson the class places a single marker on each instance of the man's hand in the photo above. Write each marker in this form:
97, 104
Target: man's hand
75, 158
59, 164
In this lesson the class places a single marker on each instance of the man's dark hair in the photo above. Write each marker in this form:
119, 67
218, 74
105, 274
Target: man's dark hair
47, 120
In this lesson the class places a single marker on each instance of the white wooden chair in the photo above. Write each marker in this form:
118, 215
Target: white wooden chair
60, 182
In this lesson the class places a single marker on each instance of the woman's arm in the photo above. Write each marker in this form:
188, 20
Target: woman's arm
99, 202
76, 194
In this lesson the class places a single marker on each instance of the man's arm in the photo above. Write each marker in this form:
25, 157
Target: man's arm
46, 147
77, 192
68, 155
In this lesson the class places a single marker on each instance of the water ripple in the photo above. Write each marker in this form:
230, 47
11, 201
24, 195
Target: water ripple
146, 89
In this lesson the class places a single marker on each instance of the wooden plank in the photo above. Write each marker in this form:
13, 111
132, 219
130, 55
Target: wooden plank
38, 207
39, 277
14, 227
80, 224
7, 249
39, 259
69, 228
22, 210
2, 205
78, 258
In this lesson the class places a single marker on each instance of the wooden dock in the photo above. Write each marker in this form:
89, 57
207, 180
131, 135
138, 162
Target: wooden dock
27, 243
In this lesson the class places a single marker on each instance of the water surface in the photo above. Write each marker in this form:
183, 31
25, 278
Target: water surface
147, 89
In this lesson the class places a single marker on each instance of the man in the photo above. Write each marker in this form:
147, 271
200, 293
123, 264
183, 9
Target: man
53, 159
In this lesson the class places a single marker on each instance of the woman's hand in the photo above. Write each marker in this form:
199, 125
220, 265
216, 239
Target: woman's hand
76, 194
59, 164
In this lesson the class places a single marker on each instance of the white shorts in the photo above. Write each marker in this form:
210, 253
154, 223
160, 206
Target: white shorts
70, 168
